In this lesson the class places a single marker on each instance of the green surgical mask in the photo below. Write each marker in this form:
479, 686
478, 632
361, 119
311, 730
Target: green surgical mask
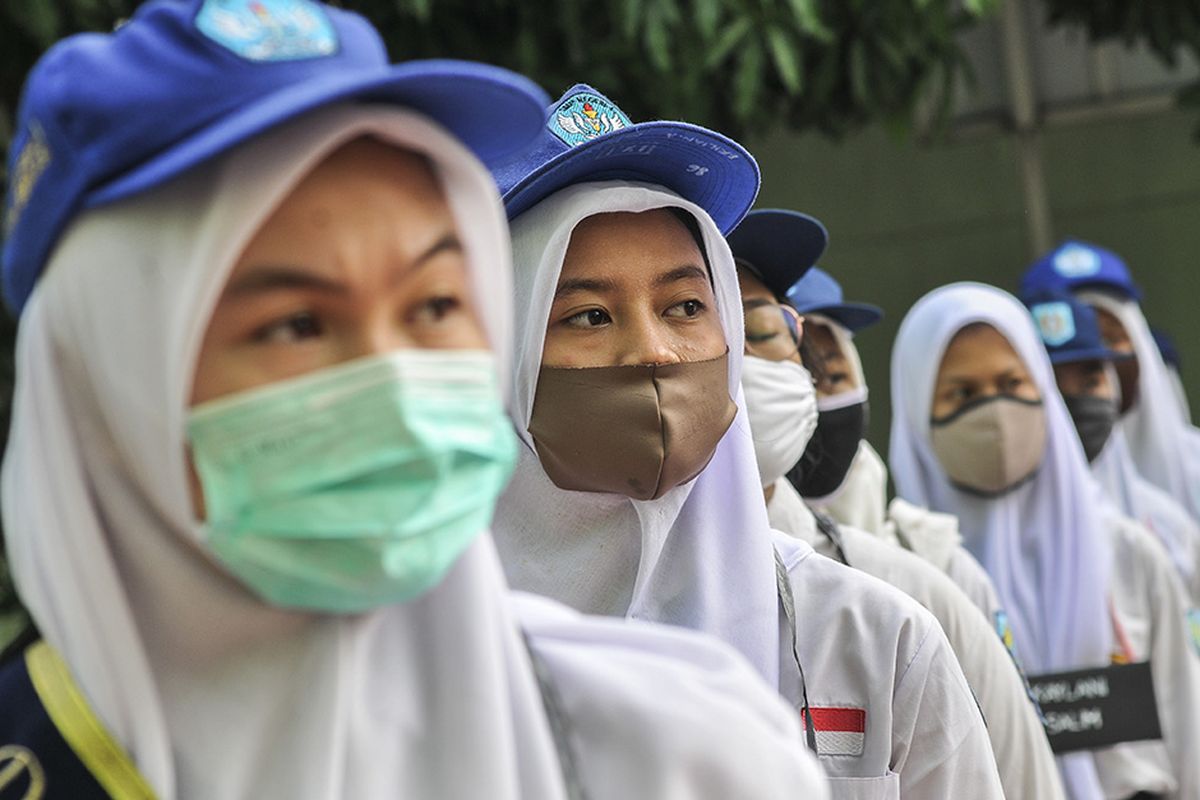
355, 486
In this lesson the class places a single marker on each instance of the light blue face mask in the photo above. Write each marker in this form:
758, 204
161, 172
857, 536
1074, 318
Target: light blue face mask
355, 486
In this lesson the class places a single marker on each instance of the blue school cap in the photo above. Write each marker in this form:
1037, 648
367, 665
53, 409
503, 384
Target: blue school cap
779, 246
1068, 328
819, 293
1076, 265
106, 116
586, 137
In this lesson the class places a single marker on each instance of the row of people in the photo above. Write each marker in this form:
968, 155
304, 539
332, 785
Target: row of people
278, 377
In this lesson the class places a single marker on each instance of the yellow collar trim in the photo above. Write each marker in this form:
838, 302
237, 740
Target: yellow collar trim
71, 714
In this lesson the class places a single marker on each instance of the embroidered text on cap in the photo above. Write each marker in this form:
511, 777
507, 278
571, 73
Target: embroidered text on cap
268, 30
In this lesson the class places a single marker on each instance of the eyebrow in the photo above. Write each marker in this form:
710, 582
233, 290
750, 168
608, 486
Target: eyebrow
683, 273
272, 277
755, 302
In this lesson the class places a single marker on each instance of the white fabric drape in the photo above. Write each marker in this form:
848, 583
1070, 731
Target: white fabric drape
213, 693
1043, 543
686, 558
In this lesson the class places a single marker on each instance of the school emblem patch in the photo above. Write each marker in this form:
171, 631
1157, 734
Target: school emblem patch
1055, 322
840, 731
1074, 261
269, 30
1194, 627
584, 116
32, 159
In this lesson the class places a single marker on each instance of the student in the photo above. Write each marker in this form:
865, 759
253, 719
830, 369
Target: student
845, 477
768, 253
1164, 447
258, 434
636, 492
1084, 373
980, 431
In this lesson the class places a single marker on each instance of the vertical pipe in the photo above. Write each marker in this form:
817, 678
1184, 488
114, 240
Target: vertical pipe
1022, 103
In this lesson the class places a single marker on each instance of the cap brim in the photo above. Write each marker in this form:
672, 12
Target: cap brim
780, 244
493, 111
1087, 354
699, 165
852, 316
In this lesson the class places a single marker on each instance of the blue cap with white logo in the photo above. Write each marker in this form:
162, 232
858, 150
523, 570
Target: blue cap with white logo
778, 245
103, 117
586, 137
1068, 328
818, 293
1079, 265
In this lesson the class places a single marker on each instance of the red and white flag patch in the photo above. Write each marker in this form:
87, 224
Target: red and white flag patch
840, 731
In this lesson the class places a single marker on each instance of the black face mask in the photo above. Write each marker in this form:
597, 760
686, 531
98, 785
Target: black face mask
1094, 418
827, 459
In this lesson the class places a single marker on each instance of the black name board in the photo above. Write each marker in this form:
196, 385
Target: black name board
1091, 708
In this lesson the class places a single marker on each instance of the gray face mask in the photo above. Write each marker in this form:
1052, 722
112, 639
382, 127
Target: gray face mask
991, 446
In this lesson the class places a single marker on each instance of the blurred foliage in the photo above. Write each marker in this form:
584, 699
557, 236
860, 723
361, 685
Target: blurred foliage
740, 66
1168, 28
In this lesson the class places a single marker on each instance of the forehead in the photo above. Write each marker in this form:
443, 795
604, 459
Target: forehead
978, 351
625, 242
823, 337
752, 288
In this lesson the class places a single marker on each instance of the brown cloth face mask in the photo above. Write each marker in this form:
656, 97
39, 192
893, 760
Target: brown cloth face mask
639, 431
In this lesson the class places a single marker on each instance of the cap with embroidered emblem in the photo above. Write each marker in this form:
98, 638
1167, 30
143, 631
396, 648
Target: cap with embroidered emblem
1076, 264
819, 293
105, 116
586, 137
1068, 328
778, 245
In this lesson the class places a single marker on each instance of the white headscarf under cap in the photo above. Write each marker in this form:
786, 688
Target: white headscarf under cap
1044, 543
699, 556
1164, 447
213, 693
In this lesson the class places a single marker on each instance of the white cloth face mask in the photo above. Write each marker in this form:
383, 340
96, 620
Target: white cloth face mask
781, 402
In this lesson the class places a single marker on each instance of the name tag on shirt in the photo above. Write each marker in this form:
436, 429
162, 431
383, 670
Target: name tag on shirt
1089, 708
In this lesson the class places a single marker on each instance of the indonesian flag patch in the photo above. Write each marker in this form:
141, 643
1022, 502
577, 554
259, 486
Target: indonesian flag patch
841, 731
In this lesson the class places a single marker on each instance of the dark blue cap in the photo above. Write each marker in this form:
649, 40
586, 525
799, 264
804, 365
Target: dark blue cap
586, 137
1068, 328
818, 293
1166, 347
1079, 265
779, 245
105, 116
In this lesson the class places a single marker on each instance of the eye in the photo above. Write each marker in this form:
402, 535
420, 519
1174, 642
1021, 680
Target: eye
591, 318
1013, 384
960, 394
686, 309
290, 330
435, 309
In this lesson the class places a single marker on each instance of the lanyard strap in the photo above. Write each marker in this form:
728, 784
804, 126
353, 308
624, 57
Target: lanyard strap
833, 533
560, 725
788, 602
1119, 632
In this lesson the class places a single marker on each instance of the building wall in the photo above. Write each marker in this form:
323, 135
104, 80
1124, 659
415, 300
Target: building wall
905, 218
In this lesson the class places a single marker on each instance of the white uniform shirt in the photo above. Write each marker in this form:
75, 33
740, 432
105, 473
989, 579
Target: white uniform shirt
1022, 753
1151, 609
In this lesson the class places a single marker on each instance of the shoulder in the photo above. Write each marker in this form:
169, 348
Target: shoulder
660, 711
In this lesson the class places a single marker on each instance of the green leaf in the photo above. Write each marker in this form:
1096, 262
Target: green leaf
785, 58
804, 12
747, 84
707, 14
40, 20
658, 40
730, 38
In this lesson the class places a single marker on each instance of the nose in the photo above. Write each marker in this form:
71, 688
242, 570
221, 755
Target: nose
647, 340
375, 334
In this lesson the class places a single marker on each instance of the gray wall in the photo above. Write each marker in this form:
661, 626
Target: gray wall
905, 218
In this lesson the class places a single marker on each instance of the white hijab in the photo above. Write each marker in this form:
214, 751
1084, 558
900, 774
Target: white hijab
1165, 448
699, 556
1043, 544
213, 693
